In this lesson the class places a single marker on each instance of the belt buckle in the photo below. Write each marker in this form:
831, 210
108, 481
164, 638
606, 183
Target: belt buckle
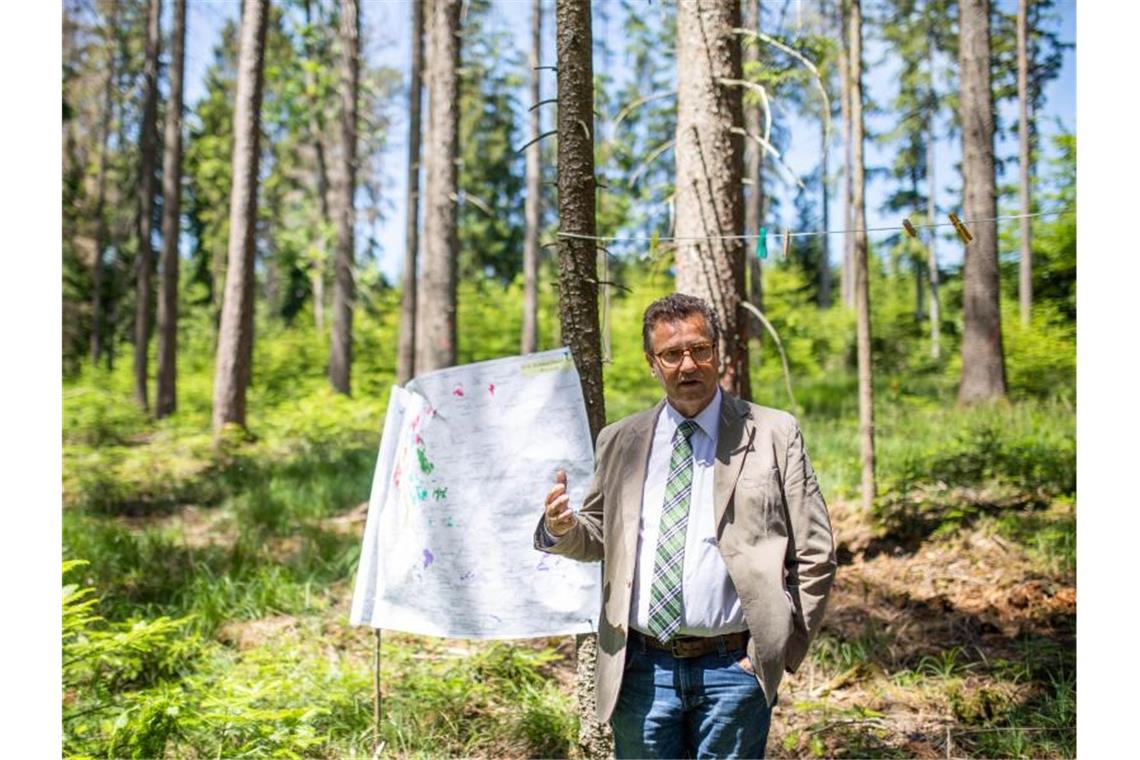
673, 650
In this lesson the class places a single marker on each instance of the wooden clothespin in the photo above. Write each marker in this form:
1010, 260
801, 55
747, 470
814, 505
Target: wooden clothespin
762, 244
787, 245
963, 233
909, 228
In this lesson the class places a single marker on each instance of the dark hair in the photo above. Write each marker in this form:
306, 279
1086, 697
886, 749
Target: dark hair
674, 308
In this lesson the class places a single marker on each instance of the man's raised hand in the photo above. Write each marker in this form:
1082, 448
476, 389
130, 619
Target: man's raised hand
559, 518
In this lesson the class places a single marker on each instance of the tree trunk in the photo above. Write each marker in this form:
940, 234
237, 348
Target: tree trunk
166, 397
983, 363
709, 170
97, 307
754, 168
932, 243
1025, 279
915, 254
435, 302
533, 193
144, 259
825, 191
862, 284
317, 132
406, 359
344, 291
235, 338
847, 281
578, 283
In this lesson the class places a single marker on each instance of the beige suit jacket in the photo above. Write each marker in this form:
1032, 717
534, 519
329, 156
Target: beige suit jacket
772, 530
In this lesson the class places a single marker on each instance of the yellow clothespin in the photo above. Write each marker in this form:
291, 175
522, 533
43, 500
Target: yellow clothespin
910, 230
961, 228
787, 245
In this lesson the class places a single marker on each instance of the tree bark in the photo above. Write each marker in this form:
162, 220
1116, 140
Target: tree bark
344, 291
847, 281
1025, 273
754, 168
533, 193
983, 363
825, 191
235, 338
317, 131
578, 282
144, 259
862, 284
406, 358
166, 396
97, 306
436, 305
709, 169
932, 244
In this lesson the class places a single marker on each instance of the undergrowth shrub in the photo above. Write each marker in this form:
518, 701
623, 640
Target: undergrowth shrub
106, 665
1031, 448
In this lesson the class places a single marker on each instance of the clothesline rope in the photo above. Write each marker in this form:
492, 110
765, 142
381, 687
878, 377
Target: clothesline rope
897, 228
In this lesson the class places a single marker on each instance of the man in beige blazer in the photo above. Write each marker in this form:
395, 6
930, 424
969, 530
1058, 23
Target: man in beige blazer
717, 553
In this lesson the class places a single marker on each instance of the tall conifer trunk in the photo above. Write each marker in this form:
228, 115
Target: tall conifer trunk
533, 192
847, 280
435, 302
344, 290
317, 134
709, 170
235, 334
862, 282
97, 306
932, 244
578, 284
406, 357
825, 193
754, 169
983, 362
1025, 153
144, 259
166, 396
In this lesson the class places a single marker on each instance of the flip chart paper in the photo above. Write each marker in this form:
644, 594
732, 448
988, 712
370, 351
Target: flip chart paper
466, 459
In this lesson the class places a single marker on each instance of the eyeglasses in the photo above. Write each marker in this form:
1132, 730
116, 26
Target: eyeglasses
701, 353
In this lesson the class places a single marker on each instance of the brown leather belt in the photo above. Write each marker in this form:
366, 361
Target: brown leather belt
696, 646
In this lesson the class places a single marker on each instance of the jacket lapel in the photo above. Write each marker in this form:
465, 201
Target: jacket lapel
633, 480
734, 441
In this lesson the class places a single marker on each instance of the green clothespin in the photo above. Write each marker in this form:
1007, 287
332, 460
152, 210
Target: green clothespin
762, 244
653, 241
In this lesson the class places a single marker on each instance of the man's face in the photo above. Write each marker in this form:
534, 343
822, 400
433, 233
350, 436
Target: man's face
689, 384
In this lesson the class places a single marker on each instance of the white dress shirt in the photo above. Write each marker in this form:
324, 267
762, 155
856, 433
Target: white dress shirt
710, 604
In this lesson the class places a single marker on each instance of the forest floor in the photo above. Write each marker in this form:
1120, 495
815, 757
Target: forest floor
224, 583
935, 648
957, 643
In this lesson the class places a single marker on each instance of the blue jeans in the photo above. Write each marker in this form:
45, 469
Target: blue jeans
698, 707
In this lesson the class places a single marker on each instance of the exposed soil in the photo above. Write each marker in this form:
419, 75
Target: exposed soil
950, 610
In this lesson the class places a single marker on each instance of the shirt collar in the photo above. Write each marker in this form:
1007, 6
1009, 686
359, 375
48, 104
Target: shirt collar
707, 420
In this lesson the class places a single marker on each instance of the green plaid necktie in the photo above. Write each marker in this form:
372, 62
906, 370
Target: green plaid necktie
665, 593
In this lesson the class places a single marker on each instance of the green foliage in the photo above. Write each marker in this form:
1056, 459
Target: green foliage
1041, 358
1055, 238
648, 123
207, 165
1030, 447
107, 665
491, 180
